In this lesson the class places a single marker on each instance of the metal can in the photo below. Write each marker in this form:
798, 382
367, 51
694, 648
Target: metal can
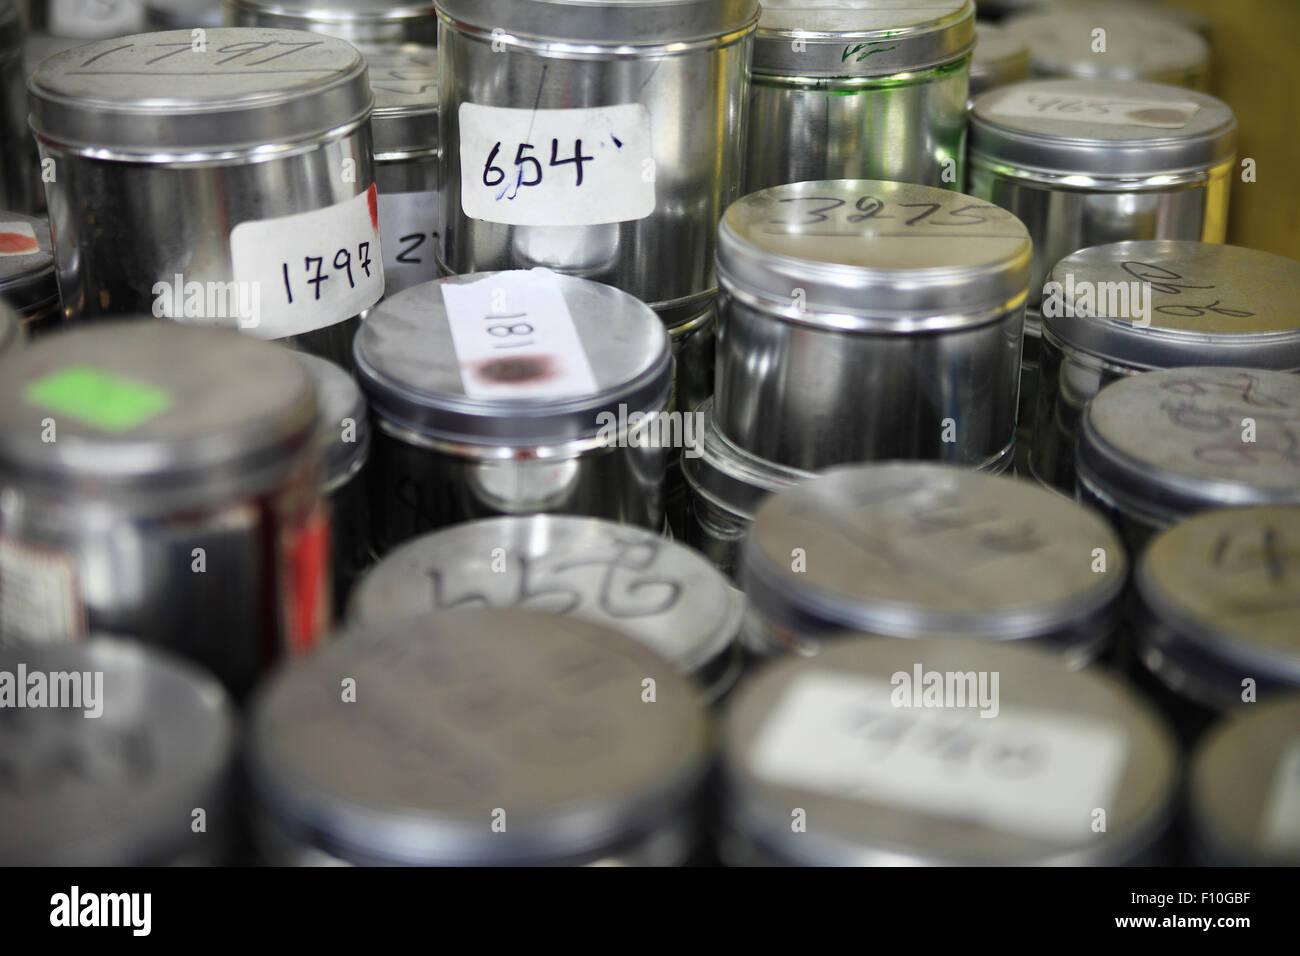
27, 282
514, 393
849, 759
1157, 447
859, 89
1130, 307
481, 737
1244, 789
250, 202
600, 139
182, 14
1133, 46
1000, 58
144, 739
18, 178
923, 550
161, 482
357, 21
848, 295
662, 594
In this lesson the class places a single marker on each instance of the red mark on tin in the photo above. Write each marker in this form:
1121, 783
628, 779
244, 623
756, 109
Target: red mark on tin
518, 369
16, 244
372, 200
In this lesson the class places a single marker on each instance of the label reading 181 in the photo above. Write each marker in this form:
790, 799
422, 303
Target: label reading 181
566, 167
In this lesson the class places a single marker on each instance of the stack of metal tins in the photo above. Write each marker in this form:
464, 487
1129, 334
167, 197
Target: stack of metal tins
27, 282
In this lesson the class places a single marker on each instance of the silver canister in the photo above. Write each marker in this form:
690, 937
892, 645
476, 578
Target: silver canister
404, 122
18, 176
859, 89
1000, 58
126, 761
1157, 447
1244, 789
161, 482
662, 594
357, 21
486, 737
600, 139
182, 14
242, 195
1130, 307
515, 393
863, 320
921, 550
851, 759
27, 282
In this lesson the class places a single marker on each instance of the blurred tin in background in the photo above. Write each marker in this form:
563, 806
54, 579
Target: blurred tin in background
128, 785
482, 737
161, 482
838, 761
1000, 58
27, 281
601, 139
86, 19
11, 330
182, 14
230, 185
662, 594
18, 168
863, 320
357, 21
1129, 307
859, 89
1157, 447
515, 393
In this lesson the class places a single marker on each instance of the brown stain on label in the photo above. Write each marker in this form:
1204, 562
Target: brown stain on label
518, 370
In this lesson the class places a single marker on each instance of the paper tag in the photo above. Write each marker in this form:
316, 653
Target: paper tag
1023, 771
92, 19
514, 337
408, 223
576, 167
38, 594
1106, 110
18, 239
1281, 828
309, 270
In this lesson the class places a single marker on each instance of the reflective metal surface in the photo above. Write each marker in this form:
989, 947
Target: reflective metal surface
27, 282
357, 21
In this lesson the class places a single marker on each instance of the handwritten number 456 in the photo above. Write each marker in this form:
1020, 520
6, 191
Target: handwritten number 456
530, 167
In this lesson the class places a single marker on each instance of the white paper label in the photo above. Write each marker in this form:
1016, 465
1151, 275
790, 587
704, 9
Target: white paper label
514, 337
38, 594
1023, 771
577, 167
1282, 823
312, 269
92, 19
408, 225
1107, 110
18, 239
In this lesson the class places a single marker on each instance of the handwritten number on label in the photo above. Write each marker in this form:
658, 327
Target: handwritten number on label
316, 276
494, 175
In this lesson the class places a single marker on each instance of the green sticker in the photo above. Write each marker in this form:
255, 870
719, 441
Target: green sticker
105, 401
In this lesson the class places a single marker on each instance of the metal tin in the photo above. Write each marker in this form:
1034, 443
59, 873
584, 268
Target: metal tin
921, 550
999, 58
27, 282
205, 182
859, 89
694, 354
182, 14
1157, 447
832, 762
357, 21
18, 176
654, 93
161, 482
662, 594
847, 295
1244, 790
123, 788
1155, 304
482, 737
442, 455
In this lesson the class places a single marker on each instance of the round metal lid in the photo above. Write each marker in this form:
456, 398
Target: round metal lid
460, 718
999, 58
1244, 788
1209, 304
408, 366
360, 21
343, 427
118, 789
849, 38
128, 401
1178, 440
182, 14
27, 265
914, 550
1101, 128
603, 23
152, 94
404, 80
878, 256
885, 778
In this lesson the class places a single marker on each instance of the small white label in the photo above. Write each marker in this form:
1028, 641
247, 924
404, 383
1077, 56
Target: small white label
92, 19
514, 337
312, 269
1281, 829
1025, 771
38, 594
408, 225
578, 167
1107, 110
18, 239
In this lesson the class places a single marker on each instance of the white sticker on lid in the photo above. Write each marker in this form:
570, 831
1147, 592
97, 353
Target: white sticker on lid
18, 239
92, 19
514, 337
1024, 771
1281, 826
309, 270
39, 600
566, 167
1106, 110
408, 225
